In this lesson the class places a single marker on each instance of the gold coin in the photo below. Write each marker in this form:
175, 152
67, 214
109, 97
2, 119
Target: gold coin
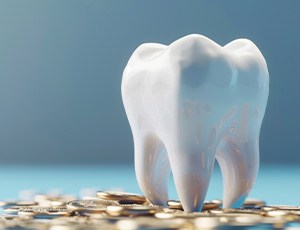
206, 223
235, 211
170, 210
11, 210
122, 197
176, 204
250, 202
128, 224
101, 215
89, 205
192, 215
43, 212
276, 213
217, 201
17, 203
282, 207
149, 222
240, 219
210, 205
131, 210
164, 215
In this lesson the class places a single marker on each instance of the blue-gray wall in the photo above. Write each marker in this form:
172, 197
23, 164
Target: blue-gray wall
61, 64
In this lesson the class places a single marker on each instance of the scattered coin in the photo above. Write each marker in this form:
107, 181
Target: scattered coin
17, 203
282, 207
164, 215
235, 210
121, 210
89, 205
217, 201
122, 197
45, 213
250, 202
131, 210
13, 210
176, 204
210, 205
206, 223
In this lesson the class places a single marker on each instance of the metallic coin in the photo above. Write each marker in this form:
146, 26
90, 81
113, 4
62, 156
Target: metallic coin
122, 197
119, 210
91, 215
176, 204
210, 205
193, 215
12, 210
4, 203
281, 207
164, 215
235, 211
150, 222
43, 212
250, 202
90, 205
276, 213
127, 224
131, 210
206, 223
17, 203
240, 220
172, 211
217, 201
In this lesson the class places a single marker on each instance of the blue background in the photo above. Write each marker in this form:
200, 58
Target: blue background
276, 185
61, 65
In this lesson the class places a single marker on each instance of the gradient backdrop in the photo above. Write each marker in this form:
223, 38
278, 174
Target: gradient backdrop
61, 66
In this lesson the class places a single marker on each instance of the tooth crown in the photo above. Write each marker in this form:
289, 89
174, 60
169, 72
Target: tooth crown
190, 103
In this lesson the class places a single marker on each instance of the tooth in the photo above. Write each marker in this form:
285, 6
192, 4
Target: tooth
190, 103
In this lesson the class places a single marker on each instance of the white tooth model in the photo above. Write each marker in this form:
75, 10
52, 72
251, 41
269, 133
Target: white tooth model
190, 103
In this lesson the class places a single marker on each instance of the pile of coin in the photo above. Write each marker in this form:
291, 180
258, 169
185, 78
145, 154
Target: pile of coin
128, 211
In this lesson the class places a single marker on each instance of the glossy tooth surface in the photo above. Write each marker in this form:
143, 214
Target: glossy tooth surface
190, 103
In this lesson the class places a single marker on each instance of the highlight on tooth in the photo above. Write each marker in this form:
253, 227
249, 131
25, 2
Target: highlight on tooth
190, 103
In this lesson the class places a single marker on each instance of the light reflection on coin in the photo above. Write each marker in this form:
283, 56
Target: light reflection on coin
131, 210
176, 204
282, 207
43, 212
251, 202
120, 210
17, 203
122, 197
89, 205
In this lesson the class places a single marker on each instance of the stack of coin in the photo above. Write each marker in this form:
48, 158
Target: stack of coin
122, 210
122, 197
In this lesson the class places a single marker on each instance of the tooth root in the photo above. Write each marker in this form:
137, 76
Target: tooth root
152, 168
239, 163
191, 170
